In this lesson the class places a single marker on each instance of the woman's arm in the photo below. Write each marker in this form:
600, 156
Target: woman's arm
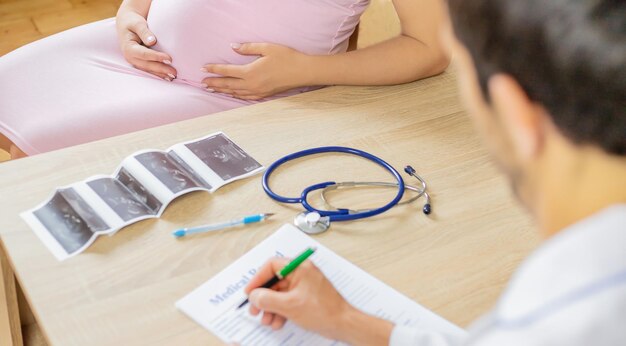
135, 39
139, 6
416, 53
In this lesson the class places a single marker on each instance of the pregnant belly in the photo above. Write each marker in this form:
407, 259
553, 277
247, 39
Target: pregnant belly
198, 32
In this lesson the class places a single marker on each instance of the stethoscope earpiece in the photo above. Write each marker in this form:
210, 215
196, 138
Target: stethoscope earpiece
411, 171
426, 209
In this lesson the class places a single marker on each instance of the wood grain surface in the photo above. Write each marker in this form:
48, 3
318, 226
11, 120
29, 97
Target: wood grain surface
123, 288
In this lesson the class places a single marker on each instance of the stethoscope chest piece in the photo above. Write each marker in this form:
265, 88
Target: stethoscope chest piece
312, 222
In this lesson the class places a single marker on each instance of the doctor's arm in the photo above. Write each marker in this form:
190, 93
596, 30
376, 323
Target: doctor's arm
416, 53
309, 300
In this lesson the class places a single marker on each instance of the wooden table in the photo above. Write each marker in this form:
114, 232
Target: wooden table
122, 290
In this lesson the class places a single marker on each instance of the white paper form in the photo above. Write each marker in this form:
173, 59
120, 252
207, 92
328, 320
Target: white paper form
213, 304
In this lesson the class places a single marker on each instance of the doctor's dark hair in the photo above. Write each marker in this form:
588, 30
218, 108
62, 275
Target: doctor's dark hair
567, 55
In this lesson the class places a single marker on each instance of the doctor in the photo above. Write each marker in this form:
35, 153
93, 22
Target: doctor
545, 84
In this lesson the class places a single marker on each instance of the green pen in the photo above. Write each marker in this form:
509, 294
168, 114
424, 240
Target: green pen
285, 271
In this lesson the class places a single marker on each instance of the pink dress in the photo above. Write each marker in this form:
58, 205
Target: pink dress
75, 87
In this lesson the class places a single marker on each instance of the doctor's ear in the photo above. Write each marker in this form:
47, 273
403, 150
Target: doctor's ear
522, 119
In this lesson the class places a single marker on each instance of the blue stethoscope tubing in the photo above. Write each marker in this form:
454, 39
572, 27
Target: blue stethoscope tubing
340, 214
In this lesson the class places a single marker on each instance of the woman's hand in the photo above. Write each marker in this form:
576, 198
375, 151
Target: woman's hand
135, 38
277, 69
309, 300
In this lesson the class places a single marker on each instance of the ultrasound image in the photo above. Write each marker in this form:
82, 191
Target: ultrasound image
141, 193
166, 170
191, 172
119, 198
65, 224
223, 156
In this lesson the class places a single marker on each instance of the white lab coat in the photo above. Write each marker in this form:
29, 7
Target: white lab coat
571, 291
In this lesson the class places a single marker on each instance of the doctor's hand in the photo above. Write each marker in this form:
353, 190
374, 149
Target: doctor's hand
309, 300
135, 39
277, 69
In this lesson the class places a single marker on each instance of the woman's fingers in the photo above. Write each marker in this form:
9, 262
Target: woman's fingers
149, 60
252, 48
237, 71
160, 69
239, 94
224, 83
135, 50
232, 86
135, 39
141, 29
248, 98
234, 92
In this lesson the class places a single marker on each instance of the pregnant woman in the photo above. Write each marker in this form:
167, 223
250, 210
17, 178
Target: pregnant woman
183, 59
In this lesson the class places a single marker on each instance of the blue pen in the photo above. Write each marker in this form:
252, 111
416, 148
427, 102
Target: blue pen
179, 233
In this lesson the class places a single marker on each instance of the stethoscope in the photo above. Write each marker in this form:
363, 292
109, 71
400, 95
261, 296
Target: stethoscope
314, 220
